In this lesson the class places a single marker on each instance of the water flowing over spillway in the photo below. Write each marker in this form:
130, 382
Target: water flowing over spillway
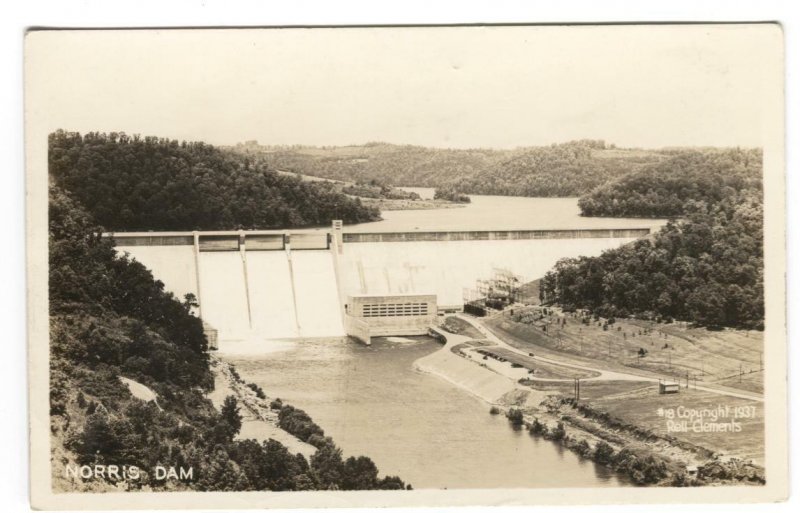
271, 294
318, 309
253, 295
223, 294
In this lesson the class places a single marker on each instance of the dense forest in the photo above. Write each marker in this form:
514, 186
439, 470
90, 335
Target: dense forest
148, 183
109, 318
559, 170
706, 267
669, 187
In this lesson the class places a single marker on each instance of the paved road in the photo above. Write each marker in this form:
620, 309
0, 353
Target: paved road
605, 375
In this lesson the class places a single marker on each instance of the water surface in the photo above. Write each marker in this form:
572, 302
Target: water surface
497, 213
414, 425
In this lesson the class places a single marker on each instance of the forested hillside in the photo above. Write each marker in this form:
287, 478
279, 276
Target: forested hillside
705, 268
109, 319
148, 183
669, 187
568, 169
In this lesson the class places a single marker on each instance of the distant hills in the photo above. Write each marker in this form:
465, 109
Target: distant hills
559, 170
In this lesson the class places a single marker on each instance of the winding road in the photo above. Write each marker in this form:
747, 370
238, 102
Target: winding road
602, 374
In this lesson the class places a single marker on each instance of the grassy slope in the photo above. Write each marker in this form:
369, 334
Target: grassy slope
710, 356
640, 407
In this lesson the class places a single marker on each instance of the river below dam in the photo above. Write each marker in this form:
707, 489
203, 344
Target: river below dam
373, 402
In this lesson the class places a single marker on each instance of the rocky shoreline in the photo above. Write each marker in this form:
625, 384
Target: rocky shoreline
260, 420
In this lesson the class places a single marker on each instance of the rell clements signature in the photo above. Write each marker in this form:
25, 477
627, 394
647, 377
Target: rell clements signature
128, 472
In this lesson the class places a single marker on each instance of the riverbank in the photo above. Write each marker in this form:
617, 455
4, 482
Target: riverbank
644, 456
407, 204
259, 421
491, 387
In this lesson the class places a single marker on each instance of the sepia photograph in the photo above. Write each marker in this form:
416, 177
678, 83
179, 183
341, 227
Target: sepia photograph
547, 260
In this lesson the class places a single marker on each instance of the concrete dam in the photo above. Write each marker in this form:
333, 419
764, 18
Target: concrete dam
257, 285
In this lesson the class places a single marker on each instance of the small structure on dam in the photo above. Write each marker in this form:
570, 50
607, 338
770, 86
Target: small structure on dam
372, 315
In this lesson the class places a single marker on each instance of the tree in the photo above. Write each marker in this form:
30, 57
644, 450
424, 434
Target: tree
328, 467
220, 473
230, 414
392, 483
359, 474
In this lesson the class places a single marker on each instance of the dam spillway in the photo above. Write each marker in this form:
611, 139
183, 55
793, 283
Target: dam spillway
223, 293
271, 294
256, 285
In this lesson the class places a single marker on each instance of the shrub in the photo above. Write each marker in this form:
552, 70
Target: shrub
603, 453
257, 389
583, 448
494, 410
298, 423
515, 416
538, 428
643, 467
679, 480
559, 432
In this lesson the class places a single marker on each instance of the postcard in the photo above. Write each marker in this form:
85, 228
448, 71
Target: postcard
406, 266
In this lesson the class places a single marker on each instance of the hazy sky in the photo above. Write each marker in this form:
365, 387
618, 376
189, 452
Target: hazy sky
648, 86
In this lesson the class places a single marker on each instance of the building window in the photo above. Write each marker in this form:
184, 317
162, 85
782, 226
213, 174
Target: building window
394, 309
